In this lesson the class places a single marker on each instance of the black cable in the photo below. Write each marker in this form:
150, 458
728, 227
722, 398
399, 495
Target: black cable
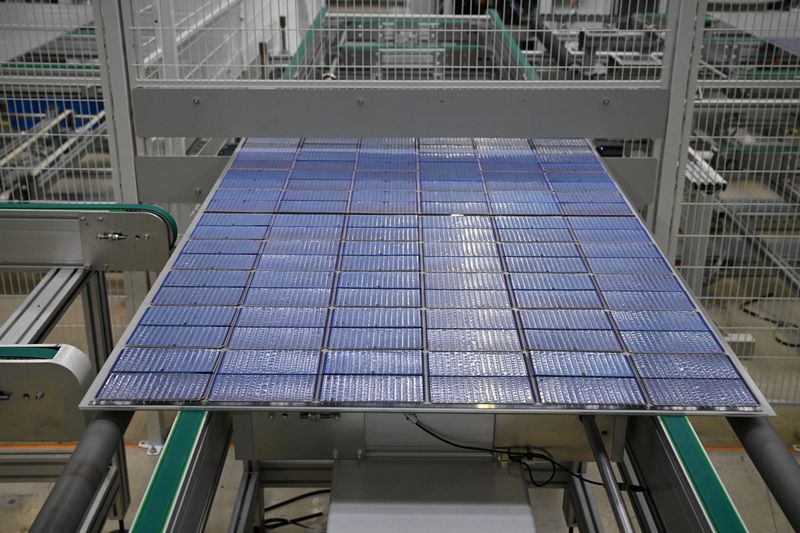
296, 499
275, 523
518, 457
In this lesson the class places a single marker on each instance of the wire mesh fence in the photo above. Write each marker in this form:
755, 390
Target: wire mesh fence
740, 233
387, 41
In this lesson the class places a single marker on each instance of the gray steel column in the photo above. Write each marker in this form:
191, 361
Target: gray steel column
777, 466
699, 214
607, 474
73, 493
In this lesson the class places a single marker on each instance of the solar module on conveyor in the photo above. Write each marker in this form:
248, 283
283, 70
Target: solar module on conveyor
443, 274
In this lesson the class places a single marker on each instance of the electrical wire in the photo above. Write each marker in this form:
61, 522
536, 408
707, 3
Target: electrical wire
518, 457
277, 522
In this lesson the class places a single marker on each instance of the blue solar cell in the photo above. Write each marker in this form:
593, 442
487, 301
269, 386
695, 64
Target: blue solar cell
214, 262
561, 319
458, 235
365, 175
372, 363
310, 234
469, 281
516, 185
455, 208
489, 164
198, 296
470, 319
535, 235
444, 185
381, 234
221, 247
270, 362
528, 197
559, 175
375, 338
479, 299
305, 221
584, 364
476, 364
638, 282
538, 223
291, 279
545, 264
590, 391
376, 263
301, 248
324, 165
659, 321
241, 206
251, 388
605, 223
378, 297
307, 185
263, 195
382, 207
670, 342
165, 360
700, 393
569, 167
175, 336
551, 282
685, 366
453, 196
337, 388
473, 340
525, 209
572, 299
229, 232
379, 280
301, 317
297, 262
207, 278
614, 249
321, 174
287, 297
154, 387
590, 198
235, 219
456, 222
538, 249
574, 339
187, 316
656, 301
383, 221
596, 209
367, 164
460, 249
277, 338
370, 317
463, 264
309, 206
607, 235
460, 390
388, 196
583, 186
613, 265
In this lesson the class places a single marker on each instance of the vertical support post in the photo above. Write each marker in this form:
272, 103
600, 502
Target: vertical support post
97, 318
681, 61
155, 433
699, 213
607, 475
167, 41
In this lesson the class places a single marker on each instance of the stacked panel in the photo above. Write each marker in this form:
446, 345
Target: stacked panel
422, 273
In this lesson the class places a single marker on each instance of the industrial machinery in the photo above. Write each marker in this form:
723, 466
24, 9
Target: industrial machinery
416, 286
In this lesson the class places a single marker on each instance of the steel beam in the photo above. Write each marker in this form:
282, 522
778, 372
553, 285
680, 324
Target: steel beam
336, 110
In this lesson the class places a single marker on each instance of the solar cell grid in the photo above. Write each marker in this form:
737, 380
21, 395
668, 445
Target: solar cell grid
434, 273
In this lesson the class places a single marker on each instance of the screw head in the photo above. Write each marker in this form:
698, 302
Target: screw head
606, 101
360, 101
196, 100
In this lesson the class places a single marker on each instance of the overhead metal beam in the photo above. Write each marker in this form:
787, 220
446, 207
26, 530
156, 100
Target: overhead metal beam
338, 111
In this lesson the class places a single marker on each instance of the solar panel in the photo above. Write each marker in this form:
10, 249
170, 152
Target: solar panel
438, 274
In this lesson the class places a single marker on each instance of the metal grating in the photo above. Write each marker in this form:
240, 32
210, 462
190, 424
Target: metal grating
449, 303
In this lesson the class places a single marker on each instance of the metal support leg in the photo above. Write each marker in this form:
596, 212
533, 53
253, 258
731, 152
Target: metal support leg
155, 433
580, 508
607, 474
777, 467
248, 514
97, 318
